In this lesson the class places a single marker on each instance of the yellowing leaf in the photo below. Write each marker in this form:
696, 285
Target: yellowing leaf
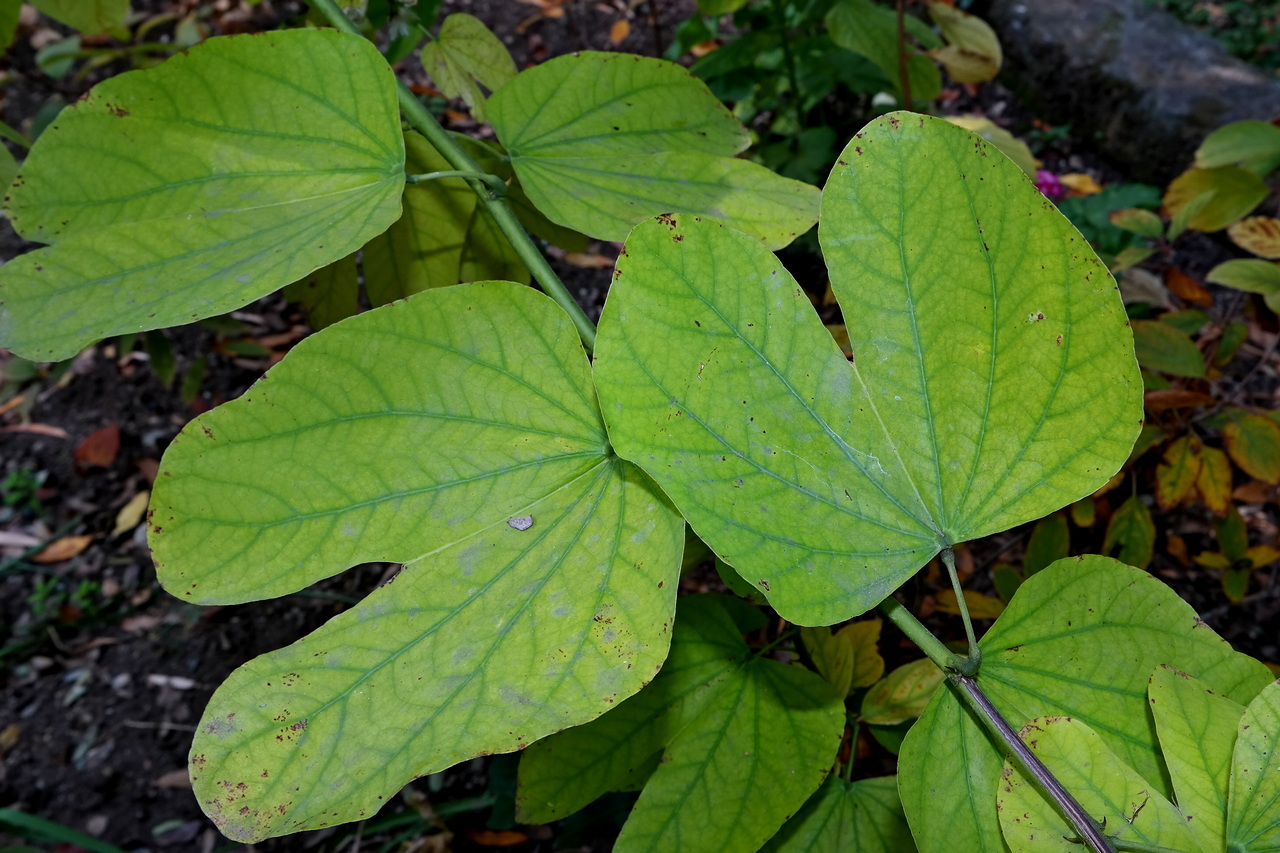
63, 549
1257, 234
1254, 443
864, 639
1084, 512
1262, 556
849, 658
619, 31
1082, 184
1214, 480
1144, 223
130, 515
464, 57
1235, 193
903, 694
1176, 476
1212, 560
980, 606
972, 53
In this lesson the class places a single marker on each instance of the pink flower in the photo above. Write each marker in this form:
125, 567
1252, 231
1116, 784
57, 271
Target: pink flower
1048, 183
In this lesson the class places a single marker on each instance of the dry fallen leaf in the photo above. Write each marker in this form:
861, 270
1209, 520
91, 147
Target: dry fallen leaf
1187, 288
38, 429
63, 549
99, 448
589, 261
1175, 398
619, 31
130, 515
174, 779
1080, 184
1257, 234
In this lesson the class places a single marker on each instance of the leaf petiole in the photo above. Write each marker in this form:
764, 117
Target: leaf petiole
973, 661
497, 186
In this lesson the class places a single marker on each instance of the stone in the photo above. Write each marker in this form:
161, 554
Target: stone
1147, 87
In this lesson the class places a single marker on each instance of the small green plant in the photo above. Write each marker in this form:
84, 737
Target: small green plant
538, 497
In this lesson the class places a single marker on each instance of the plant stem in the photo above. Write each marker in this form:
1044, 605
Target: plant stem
13, 135
974, 660
423, 122
497, 186
1030, 765
904, 79
972, 696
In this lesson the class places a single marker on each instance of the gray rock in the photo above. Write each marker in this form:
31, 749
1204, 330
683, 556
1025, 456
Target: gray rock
1149, 87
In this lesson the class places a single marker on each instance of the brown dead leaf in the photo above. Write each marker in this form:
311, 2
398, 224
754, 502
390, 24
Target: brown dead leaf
9, 738
38, 429
489, 838
619, 31
173, 779
1175, 398
63, 549
139, 624
1187, 288
589, 261
1257, 234
12, 403
99, 448
702, 48
149, 468
1254, 492
1176, 547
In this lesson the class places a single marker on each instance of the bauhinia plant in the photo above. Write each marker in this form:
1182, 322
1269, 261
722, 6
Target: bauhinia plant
538, 500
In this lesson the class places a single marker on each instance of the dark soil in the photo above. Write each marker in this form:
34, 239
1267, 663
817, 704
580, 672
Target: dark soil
104, 683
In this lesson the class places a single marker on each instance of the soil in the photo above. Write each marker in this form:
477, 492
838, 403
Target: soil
105, 675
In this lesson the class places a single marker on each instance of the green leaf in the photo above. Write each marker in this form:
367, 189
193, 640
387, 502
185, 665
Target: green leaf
988, 387
1144, 223
10, 11
602, 141
872, 31
745, 741
1109, 792
1255, 145
1197, 730
1254, 443
863, 816
233, 201
1235, 192
716, 8
540, 572
329, 294
8, 166
1050, 541
903, 694
1131, 534
464, 56
849, 658
1163, 347
245, 475
1251, 276
1253, 822
88, 16
1078, 639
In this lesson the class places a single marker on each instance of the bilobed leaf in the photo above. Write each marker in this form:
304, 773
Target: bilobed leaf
745, 741
1109, 792
1254, 443
1253, 821
1161, 346
1176, 476
903, 694
872, 30
1257, 234
1131, 534
90, 17
1255, 145
987, 388
540, 572
1050, 541
1197, 731
234, 200
868, 665
1213, 483
972, 53
1235, 192
329, 294
849, 658
864, 816
465, 53
1079, 639
602, 141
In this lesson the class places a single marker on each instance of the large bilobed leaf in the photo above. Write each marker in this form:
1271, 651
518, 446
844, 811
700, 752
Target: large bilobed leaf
745, 741
602, 141
1079, 639
842, 817
1109, 792
1197, 732
267, 156
540, 571
1253, 819
993, 378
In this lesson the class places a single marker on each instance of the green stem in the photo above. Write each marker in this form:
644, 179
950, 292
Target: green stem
423, 122
974, 660
14, 135
497, 186
972, 696
784, 636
